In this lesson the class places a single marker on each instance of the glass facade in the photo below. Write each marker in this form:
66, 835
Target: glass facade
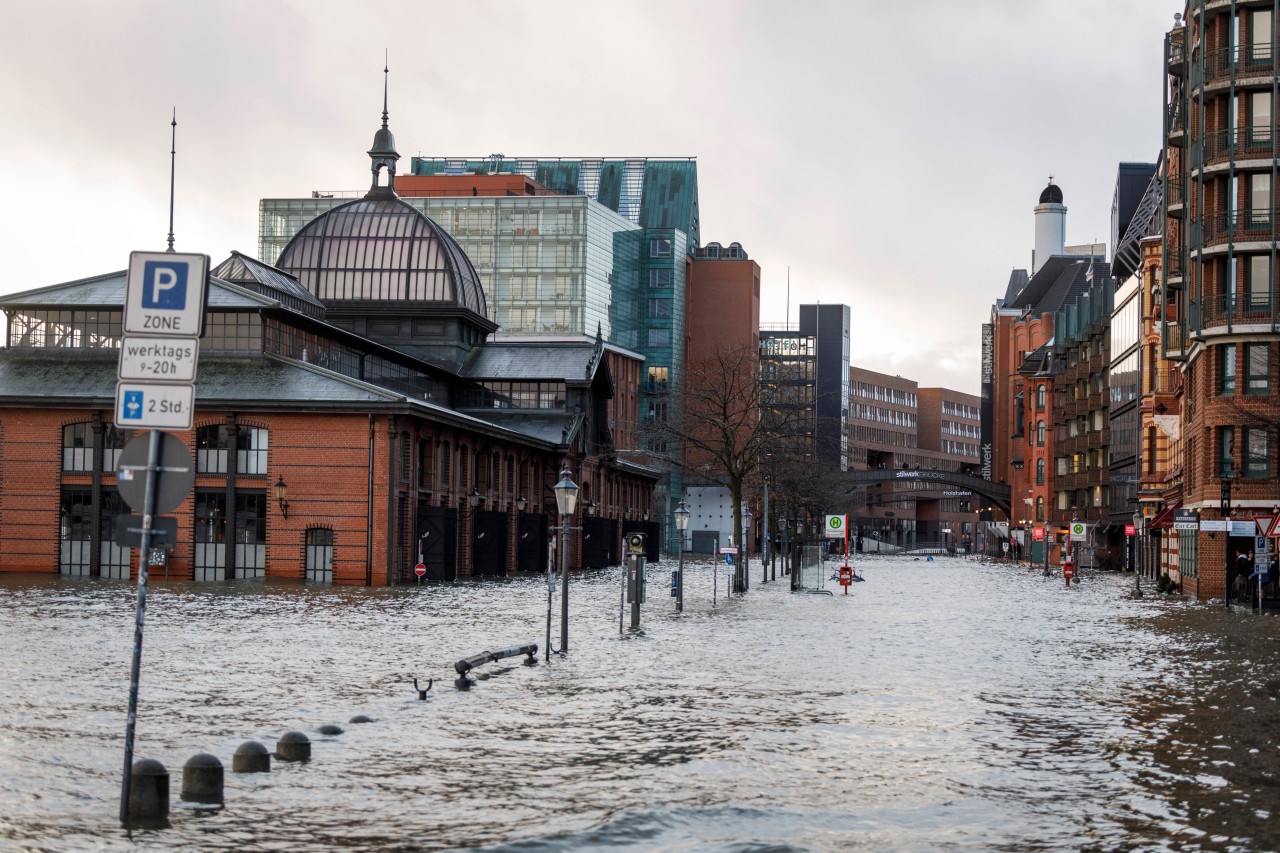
545, 263
649, 192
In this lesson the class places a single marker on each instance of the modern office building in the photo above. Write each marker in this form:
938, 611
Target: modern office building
1221, 313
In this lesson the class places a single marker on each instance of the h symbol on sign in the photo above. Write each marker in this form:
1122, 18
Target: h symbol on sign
164, 285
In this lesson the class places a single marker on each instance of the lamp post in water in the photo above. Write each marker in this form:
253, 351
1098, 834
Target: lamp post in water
682, 524
566, 501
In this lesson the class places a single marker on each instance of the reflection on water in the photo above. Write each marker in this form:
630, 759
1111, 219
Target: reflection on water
944, 705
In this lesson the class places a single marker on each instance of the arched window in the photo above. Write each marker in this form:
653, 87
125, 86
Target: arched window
1040, 508
1039, 472
1040, 395
1040, 433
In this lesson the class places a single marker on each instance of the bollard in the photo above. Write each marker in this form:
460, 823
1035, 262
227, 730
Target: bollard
293, 746
330, 729
149, 793
251, 757
360, 718
202, 779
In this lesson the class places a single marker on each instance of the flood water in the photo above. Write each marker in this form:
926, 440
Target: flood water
941, 705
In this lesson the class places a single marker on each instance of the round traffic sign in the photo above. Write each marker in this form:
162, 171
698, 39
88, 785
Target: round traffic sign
420, 570
175, 474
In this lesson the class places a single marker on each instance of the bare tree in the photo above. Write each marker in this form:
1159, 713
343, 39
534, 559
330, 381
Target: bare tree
725, 422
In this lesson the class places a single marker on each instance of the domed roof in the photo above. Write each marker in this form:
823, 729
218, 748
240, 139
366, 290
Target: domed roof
380, 249
1051, 194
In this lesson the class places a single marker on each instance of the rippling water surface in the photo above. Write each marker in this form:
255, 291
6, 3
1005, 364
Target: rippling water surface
940, 706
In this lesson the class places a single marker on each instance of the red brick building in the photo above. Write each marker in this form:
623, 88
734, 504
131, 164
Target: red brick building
350, 419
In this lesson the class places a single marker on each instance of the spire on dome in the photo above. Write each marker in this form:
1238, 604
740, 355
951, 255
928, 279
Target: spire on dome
383, 153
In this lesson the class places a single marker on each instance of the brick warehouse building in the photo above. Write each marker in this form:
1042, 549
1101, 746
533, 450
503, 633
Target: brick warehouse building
350, 419
1221, 317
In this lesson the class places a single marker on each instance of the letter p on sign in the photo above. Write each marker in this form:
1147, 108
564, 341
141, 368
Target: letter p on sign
165, 286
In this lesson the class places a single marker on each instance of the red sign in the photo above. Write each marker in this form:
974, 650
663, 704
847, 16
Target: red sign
419, 570
846, 575
1037, 533
1130, 530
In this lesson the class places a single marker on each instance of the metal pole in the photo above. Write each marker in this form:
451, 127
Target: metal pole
144, 557
551, 582
680, 576
564, 589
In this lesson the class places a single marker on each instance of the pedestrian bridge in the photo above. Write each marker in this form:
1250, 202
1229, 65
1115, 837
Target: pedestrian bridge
997, 494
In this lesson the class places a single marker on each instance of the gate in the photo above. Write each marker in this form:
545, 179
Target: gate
438, 541
489, 543
531, 542
595, 543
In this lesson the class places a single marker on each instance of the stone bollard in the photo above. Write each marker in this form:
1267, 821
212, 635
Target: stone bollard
251, 757
360, 718
202, 779
149, 791
330, 729
293, 746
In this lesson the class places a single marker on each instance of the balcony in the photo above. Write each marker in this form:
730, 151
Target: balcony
1098, 438
1172, 340
1176, 266
1165, 381
1176, 52
1176, 193
1096, 401
1237, 226
1242, 143
1223, 309
1177, 125
1237, 63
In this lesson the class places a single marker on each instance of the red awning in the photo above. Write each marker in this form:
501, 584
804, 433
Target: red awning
1164, 518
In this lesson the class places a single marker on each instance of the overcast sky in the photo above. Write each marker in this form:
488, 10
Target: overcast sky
888, 153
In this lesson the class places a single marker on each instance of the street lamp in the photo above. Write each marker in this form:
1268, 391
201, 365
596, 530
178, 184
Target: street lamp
566, 501
682, 524
746, 546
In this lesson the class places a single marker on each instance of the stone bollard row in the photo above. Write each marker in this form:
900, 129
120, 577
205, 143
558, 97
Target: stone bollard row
202, 775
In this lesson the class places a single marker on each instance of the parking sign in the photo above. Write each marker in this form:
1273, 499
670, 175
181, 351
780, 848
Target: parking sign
165, 293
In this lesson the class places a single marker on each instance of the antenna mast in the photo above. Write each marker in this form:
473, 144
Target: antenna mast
173, 157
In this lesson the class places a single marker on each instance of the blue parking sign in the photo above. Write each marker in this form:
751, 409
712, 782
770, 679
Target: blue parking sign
164, 285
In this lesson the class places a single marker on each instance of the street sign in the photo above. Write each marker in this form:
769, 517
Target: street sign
420, 570
166, 359
1215, 525
173, 480
164, 531
1130, 530
835, 526
1079, 529
165, 293
154, 406
1244, 527
1186, 519
1265, 523
729, 549
1037, 533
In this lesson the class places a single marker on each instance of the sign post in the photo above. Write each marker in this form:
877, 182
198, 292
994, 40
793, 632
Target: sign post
165, 295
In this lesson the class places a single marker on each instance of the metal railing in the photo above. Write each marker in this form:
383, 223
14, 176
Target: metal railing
1240, 142
1237, 225
1245, 61
1251, 307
